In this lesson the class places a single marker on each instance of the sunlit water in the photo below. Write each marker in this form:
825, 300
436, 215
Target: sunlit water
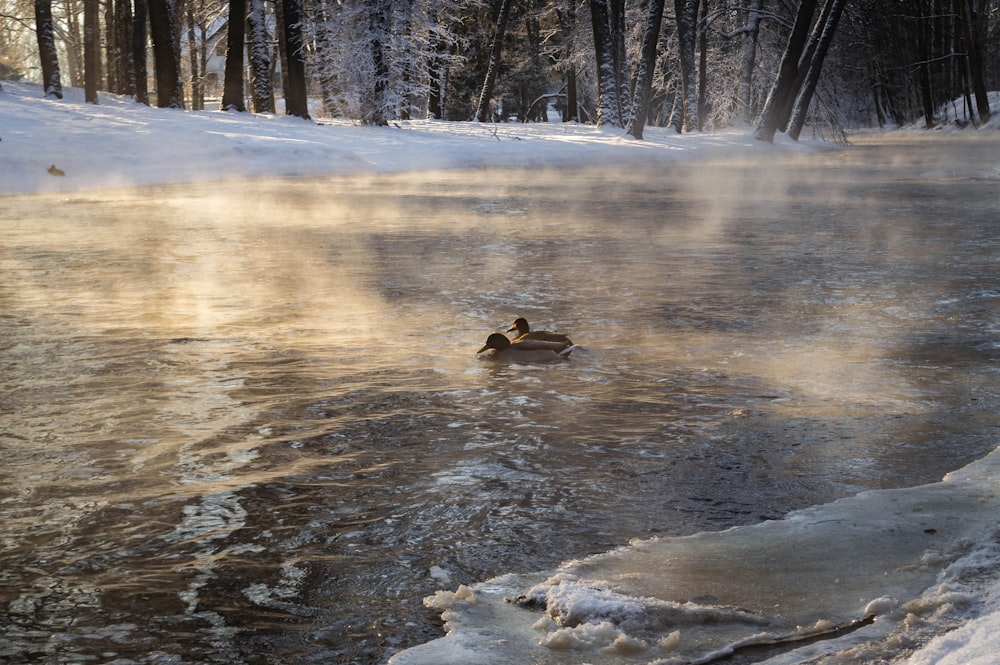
244, 422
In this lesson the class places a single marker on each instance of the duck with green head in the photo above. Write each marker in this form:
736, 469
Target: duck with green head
524, 333
527, 351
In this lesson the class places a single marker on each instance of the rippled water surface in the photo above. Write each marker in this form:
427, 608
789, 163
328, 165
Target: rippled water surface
244, 422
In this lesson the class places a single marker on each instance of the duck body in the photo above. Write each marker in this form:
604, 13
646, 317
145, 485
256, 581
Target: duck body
525, 333
527, 351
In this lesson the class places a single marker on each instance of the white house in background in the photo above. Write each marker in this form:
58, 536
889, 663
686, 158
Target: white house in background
215, 61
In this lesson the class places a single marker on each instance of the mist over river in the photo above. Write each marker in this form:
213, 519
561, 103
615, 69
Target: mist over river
244, 421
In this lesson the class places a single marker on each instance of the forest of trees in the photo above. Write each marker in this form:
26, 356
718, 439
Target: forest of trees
775, 65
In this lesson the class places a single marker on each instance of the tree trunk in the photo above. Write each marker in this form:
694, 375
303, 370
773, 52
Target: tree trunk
378, 23
139, 37
123, 47
619, 52
197, 73
232, 87
784, 86
483, 108
296, 102
435, 72
572, 103
608, 104
815, 67
975, 33
703, 69
260, 59
45, 33
748, 59
687, 34
647, 67
169, 88
924, 70
91, 49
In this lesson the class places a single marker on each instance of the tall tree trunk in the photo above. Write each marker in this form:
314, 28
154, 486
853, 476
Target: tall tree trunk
123, 47
169, 88
378, 25
260, 59
703, 68
923, 29
45, 33
572, 102
140, 16
805, 96
619, 52
232, 87
197, 73
748, 60
296, 102
784, 86
975, 34
485, 96
91, 49
608, 104
687, 34
435, 70
647, 67
566, 11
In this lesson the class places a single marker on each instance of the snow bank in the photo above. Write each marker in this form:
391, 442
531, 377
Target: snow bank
121, 143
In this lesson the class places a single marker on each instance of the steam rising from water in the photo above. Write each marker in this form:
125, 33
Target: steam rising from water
252, 409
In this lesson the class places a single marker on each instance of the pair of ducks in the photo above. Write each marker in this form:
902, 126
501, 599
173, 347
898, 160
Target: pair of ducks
528, 345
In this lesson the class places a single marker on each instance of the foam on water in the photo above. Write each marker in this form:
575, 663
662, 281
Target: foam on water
884, 562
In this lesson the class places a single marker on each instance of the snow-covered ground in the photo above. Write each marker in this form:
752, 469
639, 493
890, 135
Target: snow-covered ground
119, 142
61, 145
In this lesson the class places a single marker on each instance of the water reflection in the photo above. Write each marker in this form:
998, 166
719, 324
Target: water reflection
258, 433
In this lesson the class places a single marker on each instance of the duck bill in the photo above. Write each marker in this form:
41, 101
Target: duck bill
482, 349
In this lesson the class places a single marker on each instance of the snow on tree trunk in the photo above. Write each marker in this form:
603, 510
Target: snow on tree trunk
748, 59
260, 59
608, 104
647, 66
483, 108
687, 32
379, 27
45, 32
815, 67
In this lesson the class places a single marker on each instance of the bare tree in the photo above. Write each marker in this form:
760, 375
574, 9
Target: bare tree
831, 16
260, 59
294, 46
687, 32
169, 88
784, 90
647, 65
45, 32
91, 49
232, 87
483, 108
609, 106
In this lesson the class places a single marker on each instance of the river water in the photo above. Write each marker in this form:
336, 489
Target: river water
243, 422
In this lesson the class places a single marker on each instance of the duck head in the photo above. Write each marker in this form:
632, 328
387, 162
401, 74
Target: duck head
495, 341
520, 325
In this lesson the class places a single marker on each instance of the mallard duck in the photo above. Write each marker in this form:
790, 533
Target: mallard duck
526, 333
528, 351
